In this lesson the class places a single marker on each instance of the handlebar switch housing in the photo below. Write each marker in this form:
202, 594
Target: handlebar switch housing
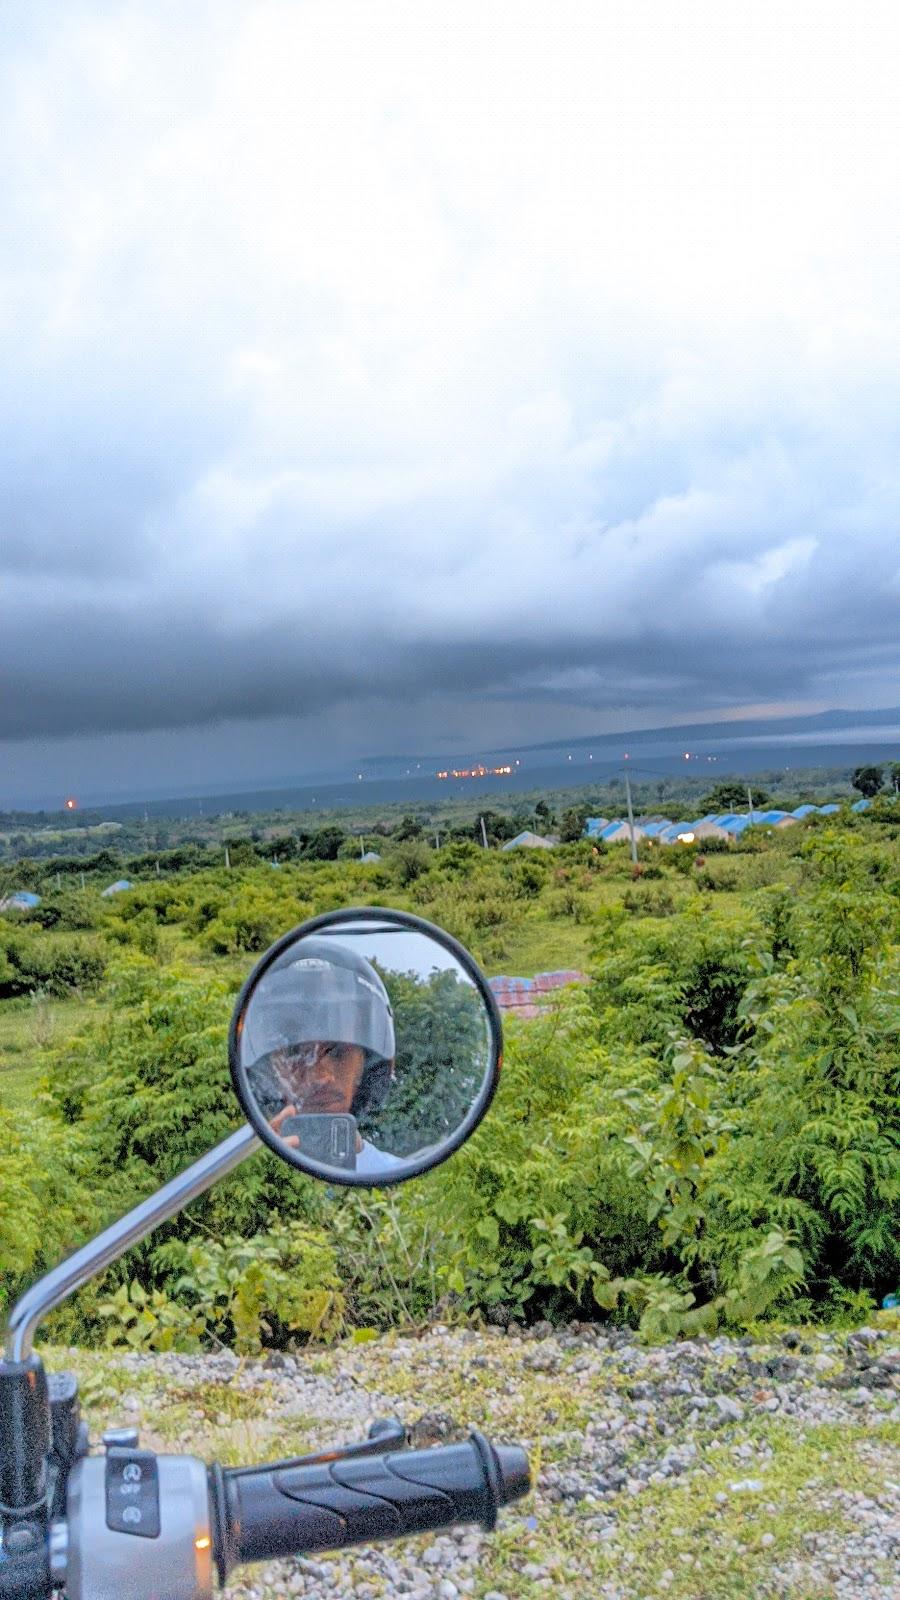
169, 1552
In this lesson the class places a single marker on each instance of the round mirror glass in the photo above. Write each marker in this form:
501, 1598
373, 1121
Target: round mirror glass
365, 1046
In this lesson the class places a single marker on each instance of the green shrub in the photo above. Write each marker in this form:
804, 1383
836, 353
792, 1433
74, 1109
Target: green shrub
29, 961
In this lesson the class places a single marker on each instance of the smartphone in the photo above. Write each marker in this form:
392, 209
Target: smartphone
329, 1138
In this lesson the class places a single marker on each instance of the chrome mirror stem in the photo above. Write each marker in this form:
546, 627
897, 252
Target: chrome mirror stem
56, 1286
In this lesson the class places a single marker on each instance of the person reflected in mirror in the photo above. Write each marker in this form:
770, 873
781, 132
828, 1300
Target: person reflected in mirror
319, 1041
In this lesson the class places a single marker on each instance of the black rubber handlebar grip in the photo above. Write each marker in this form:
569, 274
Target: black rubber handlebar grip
259, 1515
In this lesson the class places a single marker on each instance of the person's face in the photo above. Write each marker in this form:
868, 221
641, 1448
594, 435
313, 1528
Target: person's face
322, 1077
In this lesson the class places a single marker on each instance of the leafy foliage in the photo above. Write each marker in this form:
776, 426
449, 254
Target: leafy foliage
707, 1133
441, 1059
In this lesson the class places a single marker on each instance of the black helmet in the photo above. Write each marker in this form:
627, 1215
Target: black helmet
322, 991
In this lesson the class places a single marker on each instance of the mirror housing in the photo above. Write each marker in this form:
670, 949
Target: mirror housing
365, 1046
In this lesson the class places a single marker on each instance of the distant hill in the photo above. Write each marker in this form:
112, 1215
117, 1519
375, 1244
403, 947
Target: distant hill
833, 740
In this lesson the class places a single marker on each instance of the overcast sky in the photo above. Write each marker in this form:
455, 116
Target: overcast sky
382, 375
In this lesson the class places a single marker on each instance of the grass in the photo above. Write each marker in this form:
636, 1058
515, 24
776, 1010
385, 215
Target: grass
29, 1029
536, 944
701, 1538
695, 1537
218, 1421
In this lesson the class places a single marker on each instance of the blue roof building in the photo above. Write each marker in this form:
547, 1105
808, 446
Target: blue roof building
617, 830
860, 805
735, 825
827, 811
652, 830
594, 827
803, 811
676, 831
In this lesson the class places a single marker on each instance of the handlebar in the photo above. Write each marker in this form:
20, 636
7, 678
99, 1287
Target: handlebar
261, 1513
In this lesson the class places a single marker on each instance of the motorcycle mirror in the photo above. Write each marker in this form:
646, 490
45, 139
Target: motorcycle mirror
365, 1047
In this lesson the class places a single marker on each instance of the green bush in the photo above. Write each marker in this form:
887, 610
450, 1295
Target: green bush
238, 1292
29, 962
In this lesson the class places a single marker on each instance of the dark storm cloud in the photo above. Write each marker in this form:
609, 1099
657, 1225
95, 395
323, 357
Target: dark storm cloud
320, 391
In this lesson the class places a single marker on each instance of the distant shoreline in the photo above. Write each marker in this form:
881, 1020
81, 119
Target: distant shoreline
798, 757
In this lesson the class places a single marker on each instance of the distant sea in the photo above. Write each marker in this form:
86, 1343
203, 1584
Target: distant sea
654, 753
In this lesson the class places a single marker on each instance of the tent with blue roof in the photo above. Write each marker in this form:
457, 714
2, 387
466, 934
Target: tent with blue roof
21, 900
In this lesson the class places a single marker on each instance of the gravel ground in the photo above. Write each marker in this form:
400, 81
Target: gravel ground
701, 1469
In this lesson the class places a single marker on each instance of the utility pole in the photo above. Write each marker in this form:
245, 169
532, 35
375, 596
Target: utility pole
158, 874
437, 840
750, 802
82, 880
630, 821
227, 858
483, 832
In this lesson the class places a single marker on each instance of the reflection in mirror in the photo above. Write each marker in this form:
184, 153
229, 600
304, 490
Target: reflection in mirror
365, 1046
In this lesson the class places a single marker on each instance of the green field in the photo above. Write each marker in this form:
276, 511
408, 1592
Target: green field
705, 1133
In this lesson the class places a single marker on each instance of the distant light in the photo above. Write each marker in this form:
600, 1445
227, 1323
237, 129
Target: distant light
203, 1543
71, 805
687, 755
685, 838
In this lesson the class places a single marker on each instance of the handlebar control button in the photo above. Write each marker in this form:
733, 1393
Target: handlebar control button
132, 1492
121, 1438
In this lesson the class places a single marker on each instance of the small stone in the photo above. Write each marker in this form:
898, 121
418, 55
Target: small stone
730, 1410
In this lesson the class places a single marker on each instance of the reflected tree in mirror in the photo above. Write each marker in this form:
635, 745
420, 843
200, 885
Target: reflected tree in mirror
440, 1061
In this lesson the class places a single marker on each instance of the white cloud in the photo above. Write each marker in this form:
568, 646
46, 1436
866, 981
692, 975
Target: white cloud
510, 323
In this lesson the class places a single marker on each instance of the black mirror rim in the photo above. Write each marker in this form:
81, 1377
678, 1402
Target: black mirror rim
408, 1169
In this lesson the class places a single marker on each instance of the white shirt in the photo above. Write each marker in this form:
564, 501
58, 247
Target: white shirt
369, 1159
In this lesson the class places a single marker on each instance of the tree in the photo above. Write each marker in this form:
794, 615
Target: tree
283, 847
731, 795
868, 780
324, 844
572, 825
409, 828
497, 827
442, 1054
543, 816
